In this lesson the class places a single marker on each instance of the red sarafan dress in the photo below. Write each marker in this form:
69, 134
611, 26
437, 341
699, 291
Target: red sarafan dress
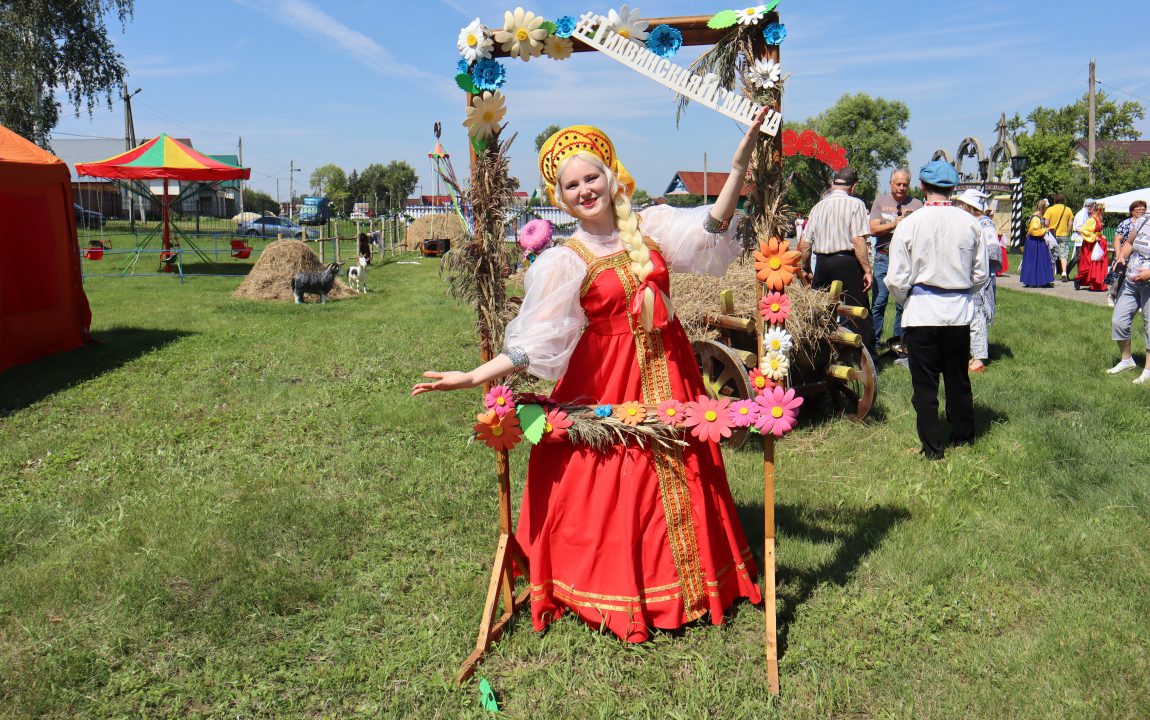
634, 538
1092, 273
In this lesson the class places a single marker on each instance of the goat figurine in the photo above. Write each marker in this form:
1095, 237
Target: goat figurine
357, 274
316, 283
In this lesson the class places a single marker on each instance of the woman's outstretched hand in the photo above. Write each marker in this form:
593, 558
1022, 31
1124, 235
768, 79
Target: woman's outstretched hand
450, 380
742, 156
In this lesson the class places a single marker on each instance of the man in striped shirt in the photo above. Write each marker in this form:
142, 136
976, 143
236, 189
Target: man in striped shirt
836, 234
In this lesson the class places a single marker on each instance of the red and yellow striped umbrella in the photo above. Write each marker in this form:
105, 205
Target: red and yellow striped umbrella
163, 157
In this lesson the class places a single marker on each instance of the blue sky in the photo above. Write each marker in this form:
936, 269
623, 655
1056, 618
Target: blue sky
353, 82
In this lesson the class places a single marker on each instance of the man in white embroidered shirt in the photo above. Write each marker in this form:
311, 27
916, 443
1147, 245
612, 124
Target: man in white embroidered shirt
937, 264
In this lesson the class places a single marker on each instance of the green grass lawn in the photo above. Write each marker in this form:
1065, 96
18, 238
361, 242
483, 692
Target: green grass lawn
234, 509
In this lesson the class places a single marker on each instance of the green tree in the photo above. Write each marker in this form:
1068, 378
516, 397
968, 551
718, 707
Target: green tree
328, 179
542, 137
640, 197
684, 200
353, 194
399, 180
259, 202
1113, 120
50, 45
872, 131
1050, 166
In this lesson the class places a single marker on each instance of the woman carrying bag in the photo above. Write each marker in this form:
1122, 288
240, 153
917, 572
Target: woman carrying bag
1037, 269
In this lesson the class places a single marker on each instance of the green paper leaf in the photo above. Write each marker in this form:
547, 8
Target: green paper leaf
533, 421
724, 19
487, 696
771, 5
480, 144
550, 26
466, 84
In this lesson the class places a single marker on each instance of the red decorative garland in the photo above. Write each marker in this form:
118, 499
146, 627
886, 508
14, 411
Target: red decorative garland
813, 145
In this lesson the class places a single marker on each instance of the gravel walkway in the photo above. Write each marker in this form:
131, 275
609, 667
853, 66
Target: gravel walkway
1061, 289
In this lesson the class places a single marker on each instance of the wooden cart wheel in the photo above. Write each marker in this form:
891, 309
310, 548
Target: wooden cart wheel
724, 376
855, 397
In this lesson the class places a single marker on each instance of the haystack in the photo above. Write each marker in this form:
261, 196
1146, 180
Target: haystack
435, 227
270, 278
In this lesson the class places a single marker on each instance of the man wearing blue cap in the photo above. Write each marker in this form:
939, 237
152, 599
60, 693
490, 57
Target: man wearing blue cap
937, 264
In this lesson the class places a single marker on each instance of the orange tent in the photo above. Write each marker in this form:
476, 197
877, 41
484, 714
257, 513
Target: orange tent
43, 308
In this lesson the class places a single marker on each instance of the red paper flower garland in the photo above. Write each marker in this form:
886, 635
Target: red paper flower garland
813, 145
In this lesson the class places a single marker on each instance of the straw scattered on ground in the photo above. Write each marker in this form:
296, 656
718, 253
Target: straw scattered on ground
270, 278
435, 227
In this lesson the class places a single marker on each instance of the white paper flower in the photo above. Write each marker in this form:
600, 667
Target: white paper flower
778, 340
751, 15
485, 114
764, 74
522, 34
473, 42
775, 365
558, 48
626, 22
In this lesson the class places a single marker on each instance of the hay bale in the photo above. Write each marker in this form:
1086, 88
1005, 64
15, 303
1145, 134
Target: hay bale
436, 227
270, 278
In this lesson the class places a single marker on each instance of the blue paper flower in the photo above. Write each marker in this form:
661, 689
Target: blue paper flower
564, 26
665, 41
603, 411
775, 33
461, 67
488, 74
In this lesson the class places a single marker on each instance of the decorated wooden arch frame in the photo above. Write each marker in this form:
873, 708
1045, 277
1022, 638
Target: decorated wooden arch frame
744, 51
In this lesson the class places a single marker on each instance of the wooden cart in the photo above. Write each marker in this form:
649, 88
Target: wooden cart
839, 370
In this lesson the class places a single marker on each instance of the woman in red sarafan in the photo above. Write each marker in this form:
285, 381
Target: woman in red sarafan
1092, 273
634, 538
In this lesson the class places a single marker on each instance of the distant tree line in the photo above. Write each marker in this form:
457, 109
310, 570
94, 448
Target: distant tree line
383, 187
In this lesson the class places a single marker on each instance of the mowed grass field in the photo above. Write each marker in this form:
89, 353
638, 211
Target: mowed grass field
235, 509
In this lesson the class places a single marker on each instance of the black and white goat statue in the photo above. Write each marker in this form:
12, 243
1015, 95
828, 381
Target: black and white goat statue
315, 283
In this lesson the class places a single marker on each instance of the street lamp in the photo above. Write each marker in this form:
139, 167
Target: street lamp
983, 169
1018, 165
291, 187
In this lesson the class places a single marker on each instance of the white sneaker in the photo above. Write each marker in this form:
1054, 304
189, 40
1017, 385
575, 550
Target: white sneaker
1123, 364
1143, 378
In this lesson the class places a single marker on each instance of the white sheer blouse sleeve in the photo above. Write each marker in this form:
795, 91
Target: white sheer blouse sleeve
686, 246
550, 320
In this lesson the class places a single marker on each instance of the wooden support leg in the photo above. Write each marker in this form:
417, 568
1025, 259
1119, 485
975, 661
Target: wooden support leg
770, 611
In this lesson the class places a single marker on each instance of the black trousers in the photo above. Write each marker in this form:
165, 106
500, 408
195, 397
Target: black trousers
845, 266
945, 351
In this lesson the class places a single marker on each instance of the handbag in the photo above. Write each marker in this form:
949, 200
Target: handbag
1097, 253
1051, 241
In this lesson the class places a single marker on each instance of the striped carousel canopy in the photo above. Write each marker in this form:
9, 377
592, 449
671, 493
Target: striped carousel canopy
163, 157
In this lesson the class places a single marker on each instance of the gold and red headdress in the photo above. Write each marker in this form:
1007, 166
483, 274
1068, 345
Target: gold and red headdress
579, 139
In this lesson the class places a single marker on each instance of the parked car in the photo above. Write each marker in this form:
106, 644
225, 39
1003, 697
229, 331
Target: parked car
89, 218
271, 226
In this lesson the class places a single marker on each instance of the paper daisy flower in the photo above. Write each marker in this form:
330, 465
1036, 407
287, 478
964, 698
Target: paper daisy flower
775, 307
775, 265
775, 33
498, 432
751, 15
564, 26
488, 74
556, 424
776, 365
473, 42
777, 340
709, 419
760, 382
557, 48
626, 22
485, 114
522, 34
765, 73
631, 412
778, 410
603, 411
744, 413
671, 412
500, 399
665, 41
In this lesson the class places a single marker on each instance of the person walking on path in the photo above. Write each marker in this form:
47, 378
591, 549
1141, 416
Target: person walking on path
1137, 210
1092, 272
985, 300
1059, 220
836, 234
1037, 269
886, 213
937, 264
1134, 259
1080, 219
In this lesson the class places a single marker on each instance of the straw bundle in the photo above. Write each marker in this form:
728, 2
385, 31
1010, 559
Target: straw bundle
270, 278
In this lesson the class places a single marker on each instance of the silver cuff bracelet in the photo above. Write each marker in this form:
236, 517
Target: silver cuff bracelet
714, 226
518, 357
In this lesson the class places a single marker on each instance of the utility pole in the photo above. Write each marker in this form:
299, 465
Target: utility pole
129, 143
1090, 120
291, 187
240, 184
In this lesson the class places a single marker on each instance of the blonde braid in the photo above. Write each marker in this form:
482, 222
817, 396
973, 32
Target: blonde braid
641, 266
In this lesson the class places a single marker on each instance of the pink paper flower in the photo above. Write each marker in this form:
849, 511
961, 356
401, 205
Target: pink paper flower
671, 412
761, 382
500, 400
555, 425
775, 307
709, 419
535, 236
778, 410
744, 413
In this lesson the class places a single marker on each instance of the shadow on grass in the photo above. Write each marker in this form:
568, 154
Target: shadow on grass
998, 351
25, 385
854, 533
223, 269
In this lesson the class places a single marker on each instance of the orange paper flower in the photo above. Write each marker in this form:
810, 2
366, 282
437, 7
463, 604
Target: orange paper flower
631, 413
556, 424
775, 265
498, 432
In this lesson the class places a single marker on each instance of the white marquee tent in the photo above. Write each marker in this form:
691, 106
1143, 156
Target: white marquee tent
1121, 203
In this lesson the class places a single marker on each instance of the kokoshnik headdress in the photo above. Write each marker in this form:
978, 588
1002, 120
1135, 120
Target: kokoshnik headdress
572, 141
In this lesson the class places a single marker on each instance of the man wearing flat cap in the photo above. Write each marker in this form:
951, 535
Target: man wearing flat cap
938, 263
836, 233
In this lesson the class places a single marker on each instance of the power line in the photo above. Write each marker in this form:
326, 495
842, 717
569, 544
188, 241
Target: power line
92, 137
1136, 97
